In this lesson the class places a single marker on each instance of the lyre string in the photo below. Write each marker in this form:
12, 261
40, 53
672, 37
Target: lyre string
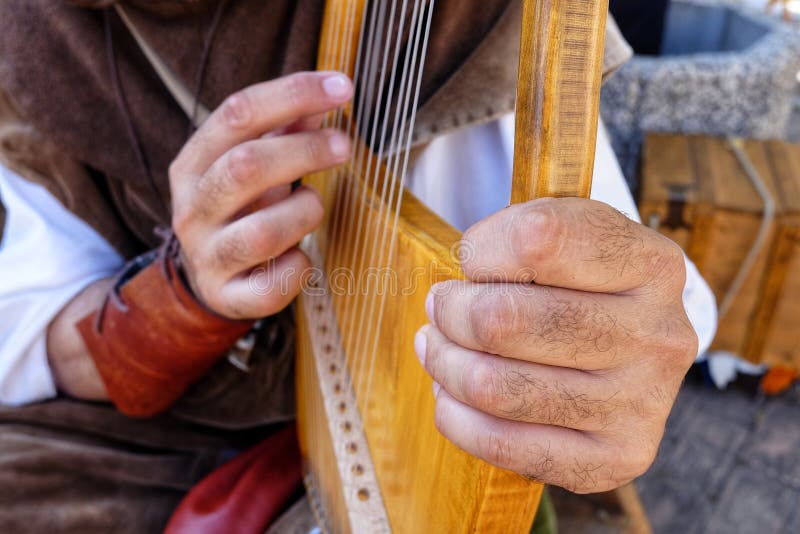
341, 63
389, 188
405, 150
364, 250
353, 117
363, 82
332, 44
349, 190
369, 177
383, 113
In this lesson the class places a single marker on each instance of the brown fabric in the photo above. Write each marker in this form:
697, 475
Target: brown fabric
27, 152
152, 339
73, 467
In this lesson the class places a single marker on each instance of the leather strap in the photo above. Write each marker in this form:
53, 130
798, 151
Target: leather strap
152, 339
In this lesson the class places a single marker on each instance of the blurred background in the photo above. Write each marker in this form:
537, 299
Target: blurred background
705, 121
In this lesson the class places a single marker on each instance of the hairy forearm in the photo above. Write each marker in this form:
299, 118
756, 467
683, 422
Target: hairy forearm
73, 369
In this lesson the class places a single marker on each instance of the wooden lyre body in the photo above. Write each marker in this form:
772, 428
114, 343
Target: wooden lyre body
374, 459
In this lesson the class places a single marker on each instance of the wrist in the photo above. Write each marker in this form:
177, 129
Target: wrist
152, 338
73, 370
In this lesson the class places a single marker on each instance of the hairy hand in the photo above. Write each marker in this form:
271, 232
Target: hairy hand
567, 380
233, 209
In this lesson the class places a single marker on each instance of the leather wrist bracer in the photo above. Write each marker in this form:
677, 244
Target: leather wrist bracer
152, 339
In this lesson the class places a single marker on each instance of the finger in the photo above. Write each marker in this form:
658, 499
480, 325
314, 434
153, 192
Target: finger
521, 391
553, 455
306, 124
259, 109
271, 197
245, 172
267, 233
549, 326
267, 290
571, 243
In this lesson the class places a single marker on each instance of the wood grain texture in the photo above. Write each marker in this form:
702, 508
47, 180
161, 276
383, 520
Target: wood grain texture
558, 97
427, 483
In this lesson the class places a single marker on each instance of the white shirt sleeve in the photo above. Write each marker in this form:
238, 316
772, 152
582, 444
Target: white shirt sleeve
465, 176
47, 256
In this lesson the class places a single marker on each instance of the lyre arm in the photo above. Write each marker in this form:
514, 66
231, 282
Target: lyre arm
558, 97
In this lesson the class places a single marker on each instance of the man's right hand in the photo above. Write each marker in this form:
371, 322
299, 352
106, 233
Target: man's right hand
233, 209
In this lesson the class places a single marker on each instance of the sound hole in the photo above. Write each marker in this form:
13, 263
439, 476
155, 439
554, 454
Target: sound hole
352, 448
358, 470
323, 329
347, 427
333, 368
342, 407
337, 389
363, 494
320, 308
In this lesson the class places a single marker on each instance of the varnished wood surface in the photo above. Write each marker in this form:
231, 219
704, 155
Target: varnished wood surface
558, 97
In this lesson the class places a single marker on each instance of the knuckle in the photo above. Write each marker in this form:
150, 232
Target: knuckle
298, 89
481, 386
678, 343
668, 266
495, 447
237, 110
232, 249
539, 235
492, 318
241, 165
685, 344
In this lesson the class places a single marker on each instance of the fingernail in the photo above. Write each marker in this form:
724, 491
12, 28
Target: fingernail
337, 86
436, 389
429, 307
421, 346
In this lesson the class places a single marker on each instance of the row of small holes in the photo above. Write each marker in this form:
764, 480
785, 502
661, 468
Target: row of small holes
352, 448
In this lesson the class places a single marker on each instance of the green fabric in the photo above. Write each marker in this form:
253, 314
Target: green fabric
546, 521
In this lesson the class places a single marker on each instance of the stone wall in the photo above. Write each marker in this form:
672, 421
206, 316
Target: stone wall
726, 70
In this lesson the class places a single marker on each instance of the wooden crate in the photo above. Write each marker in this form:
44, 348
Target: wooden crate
696, 191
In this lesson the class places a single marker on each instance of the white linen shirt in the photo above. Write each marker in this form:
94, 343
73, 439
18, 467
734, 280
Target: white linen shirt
48, 255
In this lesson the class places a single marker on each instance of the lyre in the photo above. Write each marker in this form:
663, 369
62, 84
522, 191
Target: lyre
374, 459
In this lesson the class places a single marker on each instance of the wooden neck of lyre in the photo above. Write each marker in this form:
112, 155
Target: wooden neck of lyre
558, 97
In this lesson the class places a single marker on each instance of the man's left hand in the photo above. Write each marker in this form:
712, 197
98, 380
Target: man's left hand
561, 356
